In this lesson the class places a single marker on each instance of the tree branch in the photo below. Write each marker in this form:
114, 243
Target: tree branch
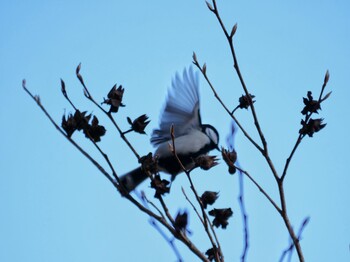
203, 71
229, 38
205, 220
183, 238
109, 115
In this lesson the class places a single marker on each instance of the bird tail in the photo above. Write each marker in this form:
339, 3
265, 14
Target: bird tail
132, 179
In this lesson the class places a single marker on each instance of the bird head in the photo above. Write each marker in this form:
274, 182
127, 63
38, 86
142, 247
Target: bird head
213, 135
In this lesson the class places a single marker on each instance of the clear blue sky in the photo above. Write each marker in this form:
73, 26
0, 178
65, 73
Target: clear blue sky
56, 206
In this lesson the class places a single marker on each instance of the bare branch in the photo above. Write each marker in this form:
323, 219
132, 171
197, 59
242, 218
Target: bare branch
291, 246
146, 201
89, 96
307, 117
261, 189
64, 92
183, 238
94, 162
205, 219
154, 223
193, 206
229, 38
325, 81
195, 62
297, 143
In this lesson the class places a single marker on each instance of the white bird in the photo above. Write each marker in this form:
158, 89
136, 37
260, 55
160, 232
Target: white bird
192, 138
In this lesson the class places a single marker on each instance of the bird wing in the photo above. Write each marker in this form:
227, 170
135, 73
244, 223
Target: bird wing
181, 108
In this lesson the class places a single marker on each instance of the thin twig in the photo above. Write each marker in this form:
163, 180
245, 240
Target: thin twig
291, 232
280, 181
283, 209
238, 71
169, 241
297, 143
146, 201
193, 206
127, 131
94, 162
64, 92
229, 38
307, 117
291, 246
325, 81
216, 246
90, 97
153, 222
121, 187
90, 158
183, 238
195, 62
105, 156
261, 189
166, 210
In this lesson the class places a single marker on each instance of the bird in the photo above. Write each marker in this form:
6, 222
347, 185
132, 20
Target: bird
191, 138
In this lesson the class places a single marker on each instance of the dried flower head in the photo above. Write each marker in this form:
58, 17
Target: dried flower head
95, 131
181, 221
209, 198
160, 185
230, 158
149, 163
245, 101
221, 216
311, 127
311, 105
115, 97
212, 253
139, 124
206, 162
69, 125
81, 119
78, 121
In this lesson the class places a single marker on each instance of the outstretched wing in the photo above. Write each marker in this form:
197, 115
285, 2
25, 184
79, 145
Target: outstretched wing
181, 108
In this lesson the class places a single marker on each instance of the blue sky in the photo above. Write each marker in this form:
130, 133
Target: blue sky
55, 204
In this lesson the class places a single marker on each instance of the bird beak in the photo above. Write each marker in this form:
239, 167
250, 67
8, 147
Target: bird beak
217, 148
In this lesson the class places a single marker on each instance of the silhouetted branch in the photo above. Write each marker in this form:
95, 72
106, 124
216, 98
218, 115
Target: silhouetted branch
90, 97
64, 92
229, 38
82, 121
154, 223
306, 120
309, 126
169, 241
179, 235
193, 206
290, 248
90, 158
205, 220
203, 71
261, 189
